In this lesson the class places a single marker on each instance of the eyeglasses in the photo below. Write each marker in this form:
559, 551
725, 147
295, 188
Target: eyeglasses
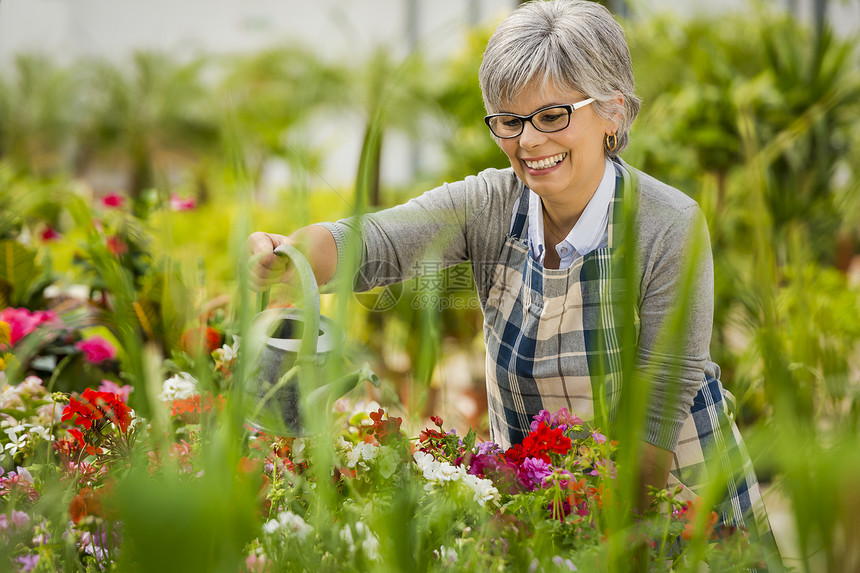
547, 120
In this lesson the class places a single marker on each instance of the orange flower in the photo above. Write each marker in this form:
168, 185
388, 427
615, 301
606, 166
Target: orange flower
85, 503
690, 513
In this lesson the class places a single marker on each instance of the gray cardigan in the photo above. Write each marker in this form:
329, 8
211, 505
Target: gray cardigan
469, 220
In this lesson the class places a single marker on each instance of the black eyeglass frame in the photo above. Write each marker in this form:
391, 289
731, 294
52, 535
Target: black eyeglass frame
569, 107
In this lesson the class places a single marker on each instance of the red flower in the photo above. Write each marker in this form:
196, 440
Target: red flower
545, 440
49, 234
98, 408
386, 431
82, 444
200, 339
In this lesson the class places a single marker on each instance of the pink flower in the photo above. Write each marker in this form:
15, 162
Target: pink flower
177, 203
113, 201
598, 437
114, 388
256, 563
96, 349
565, 418
23, 322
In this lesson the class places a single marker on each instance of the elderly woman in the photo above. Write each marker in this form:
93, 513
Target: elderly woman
543, 238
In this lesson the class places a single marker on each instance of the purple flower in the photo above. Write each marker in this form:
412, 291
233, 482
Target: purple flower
27, 563
98, 543
558, 560
603, 463
20, 519
485, 449
598, 437
559, 510
504, 475
541, 417
15, 520
536, 470
562, 477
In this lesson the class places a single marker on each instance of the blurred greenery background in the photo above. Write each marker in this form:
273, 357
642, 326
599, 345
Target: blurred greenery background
756, 115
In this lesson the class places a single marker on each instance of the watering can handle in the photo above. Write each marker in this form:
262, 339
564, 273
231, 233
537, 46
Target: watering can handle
311, 300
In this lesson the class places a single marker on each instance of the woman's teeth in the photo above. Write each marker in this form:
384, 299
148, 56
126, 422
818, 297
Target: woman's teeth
546, 162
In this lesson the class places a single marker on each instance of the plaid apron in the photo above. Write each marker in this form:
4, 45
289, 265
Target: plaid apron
549, 339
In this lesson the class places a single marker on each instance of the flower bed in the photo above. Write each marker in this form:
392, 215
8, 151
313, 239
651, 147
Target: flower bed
87, 484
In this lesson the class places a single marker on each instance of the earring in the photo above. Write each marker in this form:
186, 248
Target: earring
611, 142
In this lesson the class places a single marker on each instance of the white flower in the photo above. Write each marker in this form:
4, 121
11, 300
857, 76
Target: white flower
178, 387
10, 398
370, 546
226, 354
298, 450
440, 472
42, 432
31, 385
346, 535
484, 489
16, 443
49, 413
291, 524
369, 541
366, 452
446, 554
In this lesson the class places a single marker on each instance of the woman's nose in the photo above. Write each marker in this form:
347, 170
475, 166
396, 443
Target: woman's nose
531, 137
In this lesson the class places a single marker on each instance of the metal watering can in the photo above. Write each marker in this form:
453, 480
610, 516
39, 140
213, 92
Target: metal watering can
297, 346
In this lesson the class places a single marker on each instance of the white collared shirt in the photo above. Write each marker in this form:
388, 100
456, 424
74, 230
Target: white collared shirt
590, 232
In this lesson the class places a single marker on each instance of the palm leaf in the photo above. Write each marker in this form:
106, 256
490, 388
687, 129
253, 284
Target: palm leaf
17, 267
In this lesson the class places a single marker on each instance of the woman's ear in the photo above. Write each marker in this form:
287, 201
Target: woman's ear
614, 122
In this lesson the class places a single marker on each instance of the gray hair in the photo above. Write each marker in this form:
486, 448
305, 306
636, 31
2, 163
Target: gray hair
563, 44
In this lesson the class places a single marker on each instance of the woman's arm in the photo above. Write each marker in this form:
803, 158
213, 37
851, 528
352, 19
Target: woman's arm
654, 468
676, 317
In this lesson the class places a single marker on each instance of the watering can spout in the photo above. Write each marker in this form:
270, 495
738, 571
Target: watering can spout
332, 391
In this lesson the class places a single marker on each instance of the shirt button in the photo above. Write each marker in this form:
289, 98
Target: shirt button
564, 250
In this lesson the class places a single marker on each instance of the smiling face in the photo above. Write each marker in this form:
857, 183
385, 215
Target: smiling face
564, 168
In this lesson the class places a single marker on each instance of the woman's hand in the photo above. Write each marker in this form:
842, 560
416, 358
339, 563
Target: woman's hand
266, 267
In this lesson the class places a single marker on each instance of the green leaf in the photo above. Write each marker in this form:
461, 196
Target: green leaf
17, 414
17, 267
469, 440
5, 293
